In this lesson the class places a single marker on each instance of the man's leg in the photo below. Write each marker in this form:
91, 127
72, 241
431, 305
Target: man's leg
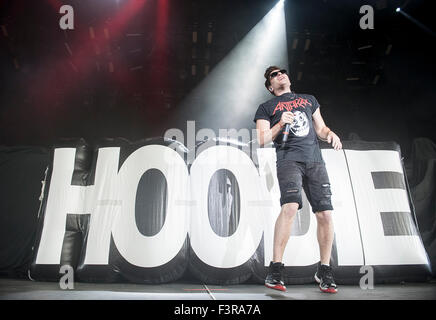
282, 229
319, 196
290, 182
325, 233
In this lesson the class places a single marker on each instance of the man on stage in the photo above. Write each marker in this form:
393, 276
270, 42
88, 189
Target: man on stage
299, 165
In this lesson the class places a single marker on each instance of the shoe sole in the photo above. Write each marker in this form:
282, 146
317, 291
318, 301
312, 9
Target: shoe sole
328, 290
278, 287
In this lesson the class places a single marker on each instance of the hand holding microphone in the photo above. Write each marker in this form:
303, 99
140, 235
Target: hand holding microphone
334, 140
286, 120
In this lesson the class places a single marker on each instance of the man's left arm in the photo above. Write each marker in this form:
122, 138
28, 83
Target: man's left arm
323, 132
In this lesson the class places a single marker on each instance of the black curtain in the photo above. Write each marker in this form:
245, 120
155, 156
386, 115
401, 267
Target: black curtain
21, 171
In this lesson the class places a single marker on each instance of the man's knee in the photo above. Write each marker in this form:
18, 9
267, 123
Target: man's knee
324, 217
289, 210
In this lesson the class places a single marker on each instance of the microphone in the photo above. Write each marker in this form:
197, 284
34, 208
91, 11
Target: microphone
286, 133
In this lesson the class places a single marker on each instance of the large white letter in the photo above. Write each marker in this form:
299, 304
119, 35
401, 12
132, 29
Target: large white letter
346, 224
381, 249
63, 198
104, 204
232, 251
153, 251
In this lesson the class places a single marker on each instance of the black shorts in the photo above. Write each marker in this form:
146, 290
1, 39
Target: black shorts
312, 176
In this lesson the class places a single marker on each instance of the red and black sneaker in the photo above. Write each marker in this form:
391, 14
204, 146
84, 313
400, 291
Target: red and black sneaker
274, 279
324, 276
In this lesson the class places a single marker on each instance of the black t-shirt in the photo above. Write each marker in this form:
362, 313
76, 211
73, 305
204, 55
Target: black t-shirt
302, 144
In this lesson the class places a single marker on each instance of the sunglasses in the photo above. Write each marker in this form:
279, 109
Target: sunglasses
275, 73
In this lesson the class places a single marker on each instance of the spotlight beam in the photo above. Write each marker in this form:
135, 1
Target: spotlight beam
419, 24
231, 92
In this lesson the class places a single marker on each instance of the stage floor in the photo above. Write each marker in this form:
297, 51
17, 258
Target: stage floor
12, 289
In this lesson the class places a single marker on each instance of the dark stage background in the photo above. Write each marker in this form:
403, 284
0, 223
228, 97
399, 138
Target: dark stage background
131, 77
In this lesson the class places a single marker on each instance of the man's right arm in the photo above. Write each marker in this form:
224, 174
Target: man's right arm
265, 134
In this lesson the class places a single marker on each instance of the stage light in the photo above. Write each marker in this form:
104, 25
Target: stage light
106, 33
4, 30
376, 78
68, 49
365, 47
306, 45
398, 9
91, 33
232, 90
83, 61
16, 64
415, 21
294, 44
299, 75
388, 49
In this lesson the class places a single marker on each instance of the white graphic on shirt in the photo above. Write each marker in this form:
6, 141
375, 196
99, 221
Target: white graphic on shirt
300, 125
